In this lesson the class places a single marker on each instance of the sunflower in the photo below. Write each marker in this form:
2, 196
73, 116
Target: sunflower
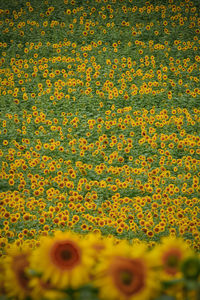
63, 260
2, 276
169, 255
125, 272
44, 290
98, 243
16, 281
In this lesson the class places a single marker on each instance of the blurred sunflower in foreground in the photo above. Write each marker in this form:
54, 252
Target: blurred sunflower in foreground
125, 272
16, 279
44, 290
178, 267
63, 261
169, 255
2, 277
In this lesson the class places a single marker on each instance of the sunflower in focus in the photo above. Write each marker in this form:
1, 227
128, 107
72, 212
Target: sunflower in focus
63, 260
125, 273
16, 281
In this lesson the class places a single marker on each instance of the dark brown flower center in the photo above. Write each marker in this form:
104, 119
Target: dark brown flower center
65, 254
128, 275
171, 260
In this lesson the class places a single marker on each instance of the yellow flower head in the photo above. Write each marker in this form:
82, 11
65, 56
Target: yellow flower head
16, 279
63, 260
170, 255
96, 243
124, 272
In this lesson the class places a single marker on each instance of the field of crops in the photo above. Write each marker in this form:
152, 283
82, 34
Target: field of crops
99, 149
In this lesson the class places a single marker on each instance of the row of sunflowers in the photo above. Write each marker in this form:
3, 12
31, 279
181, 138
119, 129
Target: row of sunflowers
72, 266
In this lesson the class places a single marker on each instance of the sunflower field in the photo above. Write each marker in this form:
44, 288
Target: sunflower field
99, 149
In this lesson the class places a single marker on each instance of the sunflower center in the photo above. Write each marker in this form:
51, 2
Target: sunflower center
65, 254
171, 260
128, 275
